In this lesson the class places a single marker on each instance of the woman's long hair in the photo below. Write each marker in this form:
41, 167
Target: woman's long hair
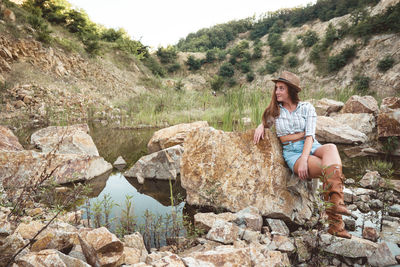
272, 111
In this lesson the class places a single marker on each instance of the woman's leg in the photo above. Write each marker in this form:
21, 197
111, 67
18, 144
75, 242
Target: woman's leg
328, 154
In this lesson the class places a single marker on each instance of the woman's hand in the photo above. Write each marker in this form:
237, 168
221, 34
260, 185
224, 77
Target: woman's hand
259, 133
302, 170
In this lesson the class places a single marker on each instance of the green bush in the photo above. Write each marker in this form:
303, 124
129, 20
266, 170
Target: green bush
167, 55
111, 35
226, 70
292, 61
273, 65
210, 56
217, 82
193, 63
278, 48
257, 52
244, 66
92, 46
337, 62
361, 83
385, 64
309, 38
315, 53
250, 76
173, 67
231, 82
155, 67
331, 36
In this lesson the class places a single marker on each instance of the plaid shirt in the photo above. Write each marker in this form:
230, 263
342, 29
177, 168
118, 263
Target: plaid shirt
302, 119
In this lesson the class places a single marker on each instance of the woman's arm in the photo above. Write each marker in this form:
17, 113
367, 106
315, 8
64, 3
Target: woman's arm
302, 170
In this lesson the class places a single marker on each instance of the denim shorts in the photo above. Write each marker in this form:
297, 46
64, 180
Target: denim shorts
292, 151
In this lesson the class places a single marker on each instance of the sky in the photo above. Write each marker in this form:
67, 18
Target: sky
163, 22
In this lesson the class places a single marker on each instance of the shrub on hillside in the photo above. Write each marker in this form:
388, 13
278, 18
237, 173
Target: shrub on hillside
273, 65
361, 83
278, 48
309, 38
257, 52
152, 64
244, 66
226, 70
250, 76
331, 36
292, 61
173, 67
167, 55
217, 82
385, 64
193, 63
111, 35
314, 55
337, 62
210, 56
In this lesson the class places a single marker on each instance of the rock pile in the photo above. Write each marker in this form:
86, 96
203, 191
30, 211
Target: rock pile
68, 154
166, 150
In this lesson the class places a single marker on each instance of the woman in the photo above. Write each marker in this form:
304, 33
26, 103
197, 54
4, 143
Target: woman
295, 124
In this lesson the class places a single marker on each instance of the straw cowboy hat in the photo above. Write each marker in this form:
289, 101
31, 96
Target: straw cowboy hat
290, 79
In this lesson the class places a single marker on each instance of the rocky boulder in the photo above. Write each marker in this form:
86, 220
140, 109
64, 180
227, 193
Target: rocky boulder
100, 246
135, 241
17, 168
49, 257
8, 141
389, 117
363, 122
163, 164
119, 163
330, 130
224, 169
325, 106
171, 136
72, 139
360, 104
221, 256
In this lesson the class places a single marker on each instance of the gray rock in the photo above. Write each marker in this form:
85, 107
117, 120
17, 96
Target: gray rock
350, 223
382, 256
326, 106
250, 217
20, 167
205, 221
352, 207
329, 130
363, 206
283, 243
394, 210
362, 191
362, 122
72, 139
278, 227
224, 232
49, 257
348, 196
163, 165
353, 248
119, 163
370, 233
360, 104
376, 204
371, 179
349, 181
252, 236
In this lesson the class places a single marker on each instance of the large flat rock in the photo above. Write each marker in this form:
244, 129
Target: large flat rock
72, 139
330, 130
224, 169
19, 167
389, 117
172, 136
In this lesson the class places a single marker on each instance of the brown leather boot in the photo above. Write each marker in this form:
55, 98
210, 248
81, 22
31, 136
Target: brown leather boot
336, 226
333, 189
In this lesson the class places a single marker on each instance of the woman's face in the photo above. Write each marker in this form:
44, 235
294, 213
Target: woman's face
282, 92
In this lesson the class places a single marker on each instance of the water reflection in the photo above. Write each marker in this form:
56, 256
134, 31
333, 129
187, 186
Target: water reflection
117, 187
